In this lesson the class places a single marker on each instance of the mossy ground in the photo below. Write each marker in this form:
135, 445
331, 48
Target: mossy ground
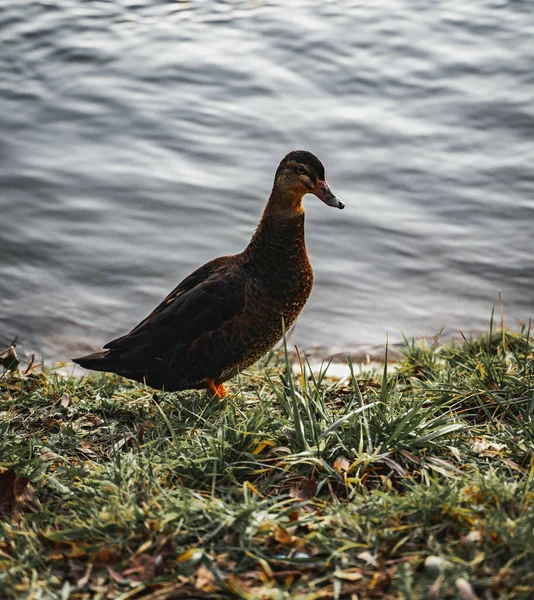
415, 482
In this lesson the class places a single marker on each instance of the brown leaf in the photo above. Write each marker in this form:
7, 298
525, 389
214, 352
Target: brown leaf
304, 489
65, 400
47, 455
485, 447
512, 464
7, 490
382, 579
140, 433
282, 536
86, 448
16, 493
238, 585
6, 547
106, 556
494, 538
293, 516
205, 580
8, 357
144, 568
166, 547
89, 421
341, 464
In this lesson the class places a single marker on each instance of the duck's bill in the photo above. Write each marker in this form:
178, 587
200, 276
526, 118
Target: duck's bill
323, 192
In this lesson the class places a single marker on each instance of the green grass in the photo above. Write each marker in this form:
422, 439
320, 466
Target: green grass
413, 482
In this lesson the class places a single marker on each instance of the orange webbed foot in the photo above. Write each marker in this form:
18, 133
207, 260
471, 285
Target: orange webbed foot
219, 391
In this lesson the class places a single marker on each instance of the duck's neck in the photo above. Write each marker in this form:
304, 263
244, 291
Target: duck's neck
278, 242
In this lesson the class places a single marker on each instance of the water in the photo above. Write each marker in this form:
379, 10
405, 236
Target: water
139, 139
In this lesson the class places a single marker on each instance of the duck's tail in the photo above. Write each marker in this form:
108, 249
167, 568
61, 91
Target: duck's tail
98, 361
160, 377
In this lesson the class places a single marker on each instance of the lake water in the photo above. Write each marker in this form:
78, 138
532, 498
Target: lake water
138, 139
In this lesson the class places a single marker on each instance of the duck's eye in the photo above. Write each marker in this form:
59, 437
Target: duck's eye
301, 170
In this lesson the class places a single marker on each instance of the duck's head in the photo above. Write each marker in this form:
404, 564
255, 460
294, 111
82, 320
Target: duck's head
301, 173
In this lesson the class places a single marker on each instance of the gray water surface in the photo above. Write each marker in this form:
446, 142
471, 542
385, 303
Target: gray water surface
138, 139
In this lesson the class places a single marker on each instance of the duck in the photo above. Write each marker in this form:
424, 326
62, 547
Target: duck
231, 311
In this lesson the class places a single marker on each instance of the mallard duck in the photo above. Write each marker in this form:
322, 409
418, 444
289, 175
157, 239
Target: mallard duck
231, 311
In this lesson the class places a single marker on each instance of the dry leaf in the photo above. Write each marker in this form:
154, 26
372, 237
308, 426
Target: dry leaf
143, 568
205, 580
85, 447
7, 490
65, 400
304, 489
239, 585
88, 421
47, 455
341, 464
486, 447
8, 357
282, 536
16, 493
105, 556
512, 464
293, 516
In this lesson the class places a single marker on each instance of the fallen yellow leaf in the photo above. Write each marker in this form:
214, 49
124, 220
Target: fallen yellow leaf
262, 445
283, 536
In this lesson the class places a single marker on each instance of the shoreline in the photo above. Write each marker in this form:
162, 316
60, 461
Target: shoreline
361, 353
365, 356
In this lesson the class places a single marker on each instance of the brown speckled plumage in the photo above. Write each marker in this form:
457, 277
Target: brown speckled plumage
229, 312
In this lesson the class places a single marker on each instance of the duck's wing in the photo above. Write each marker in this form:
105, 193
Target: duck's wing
203, 273
202, 302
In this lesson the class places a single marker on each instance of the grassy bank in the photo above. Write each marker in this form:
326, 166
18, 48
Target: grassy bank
412, 483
